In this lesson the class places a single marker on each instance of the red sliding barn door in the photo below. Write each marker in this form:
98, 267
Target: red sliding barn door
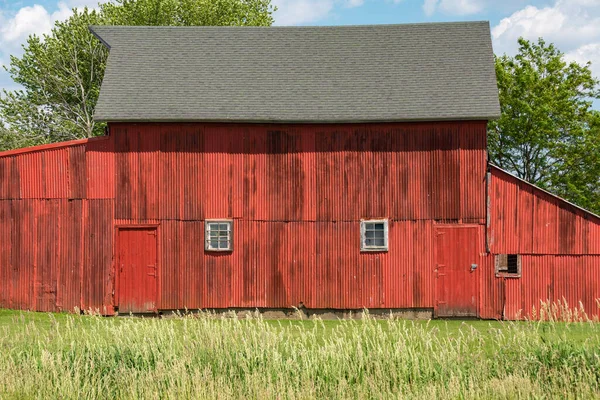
137, 270
456, 267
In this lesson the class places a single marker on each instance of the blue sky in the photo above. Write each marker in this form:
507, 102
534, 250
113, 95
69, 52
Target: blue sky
573, 25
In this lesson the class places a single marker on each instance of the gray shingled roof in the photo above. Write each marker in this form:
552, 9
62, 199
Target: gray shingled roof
441, 71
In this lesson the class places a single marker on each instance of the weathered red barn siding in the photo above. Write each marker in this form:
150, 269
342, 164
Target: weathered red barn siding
527, 220
301, 189
296, 194
559, 245
300, 172
312, 264
43, 227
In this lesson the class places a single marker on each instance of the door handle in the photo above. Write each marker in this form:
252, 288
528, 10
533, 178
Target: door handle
473, 267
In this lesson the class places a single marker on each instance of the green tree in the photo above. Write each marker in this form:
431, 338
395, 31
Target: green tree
189, 12
547, 129
60, 75
579, 178
61, 72
7, 139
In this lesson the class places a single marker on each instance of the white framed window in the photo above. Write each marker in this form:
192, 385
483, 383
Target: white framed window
508, 265
218, 235
374, 235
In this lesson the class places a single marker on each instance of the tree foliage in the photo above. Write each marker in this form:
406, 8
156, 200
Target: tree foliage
548, 133
189, 12
60, 73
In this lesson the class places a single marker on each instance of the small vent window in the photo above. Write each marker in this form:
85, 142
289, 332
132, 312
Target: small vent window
218, 235
508, 265
374, 235
512, 263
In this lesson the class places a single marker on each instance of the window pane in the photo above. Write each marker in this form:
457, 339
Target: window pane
213, 227
379, 226
368, 242
214, 244
378, 234
224, 227
223, 244
369, 226
223, 234
379, 242
512, 264
214, 234
370, 234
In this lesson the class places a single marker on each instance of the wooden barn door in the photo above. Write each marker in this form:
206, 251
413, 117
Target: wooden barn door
456, 271
137, 286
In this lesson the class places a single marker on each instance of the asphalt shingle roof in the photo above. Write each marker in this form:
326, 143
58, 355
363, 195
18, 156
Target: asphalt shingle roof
413, 72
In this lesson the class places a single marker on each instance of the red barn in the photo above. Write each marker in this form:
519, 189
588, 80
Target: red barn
326, 168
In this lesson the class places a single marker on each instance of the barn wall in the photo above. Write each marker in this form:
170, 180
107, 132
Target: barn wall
527, 220
559, 245
300, 172
296, 194
45, 231
316, 265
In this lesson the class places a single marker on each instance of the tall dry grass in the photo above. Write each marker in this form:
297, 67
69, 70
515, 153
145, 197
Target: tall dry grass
203, 356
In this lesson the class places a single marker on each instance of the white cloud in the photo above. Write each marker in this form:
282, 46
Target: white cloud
429, 6
16, 27
84, 3
36, 19
297, 12
354, 3
461, 7
573, 25
31, 20
453, 7
585, 53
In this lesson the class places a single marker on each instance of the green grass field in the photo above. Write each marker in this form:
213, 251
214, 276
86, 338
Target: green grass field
62, 356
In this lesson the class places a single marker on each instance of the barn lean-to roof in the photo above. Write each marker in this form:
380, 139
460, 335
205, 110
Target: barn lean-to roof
379, 73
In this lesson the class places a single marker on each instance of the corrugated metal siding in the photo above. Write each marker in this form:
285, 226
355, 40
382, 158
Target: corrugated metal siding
317, 265
5, 252
300, 173
70, 260
41, 260
10, 181
553, 279
98, 272
55, 173
77, 172
526, 220
296, 194
492, 294
100, 168
46, 241
22, 254
559, 244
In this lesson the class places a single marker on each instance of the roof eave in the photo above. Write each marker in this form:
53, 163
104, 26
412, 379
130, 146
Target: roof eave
104, 42
291, 121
